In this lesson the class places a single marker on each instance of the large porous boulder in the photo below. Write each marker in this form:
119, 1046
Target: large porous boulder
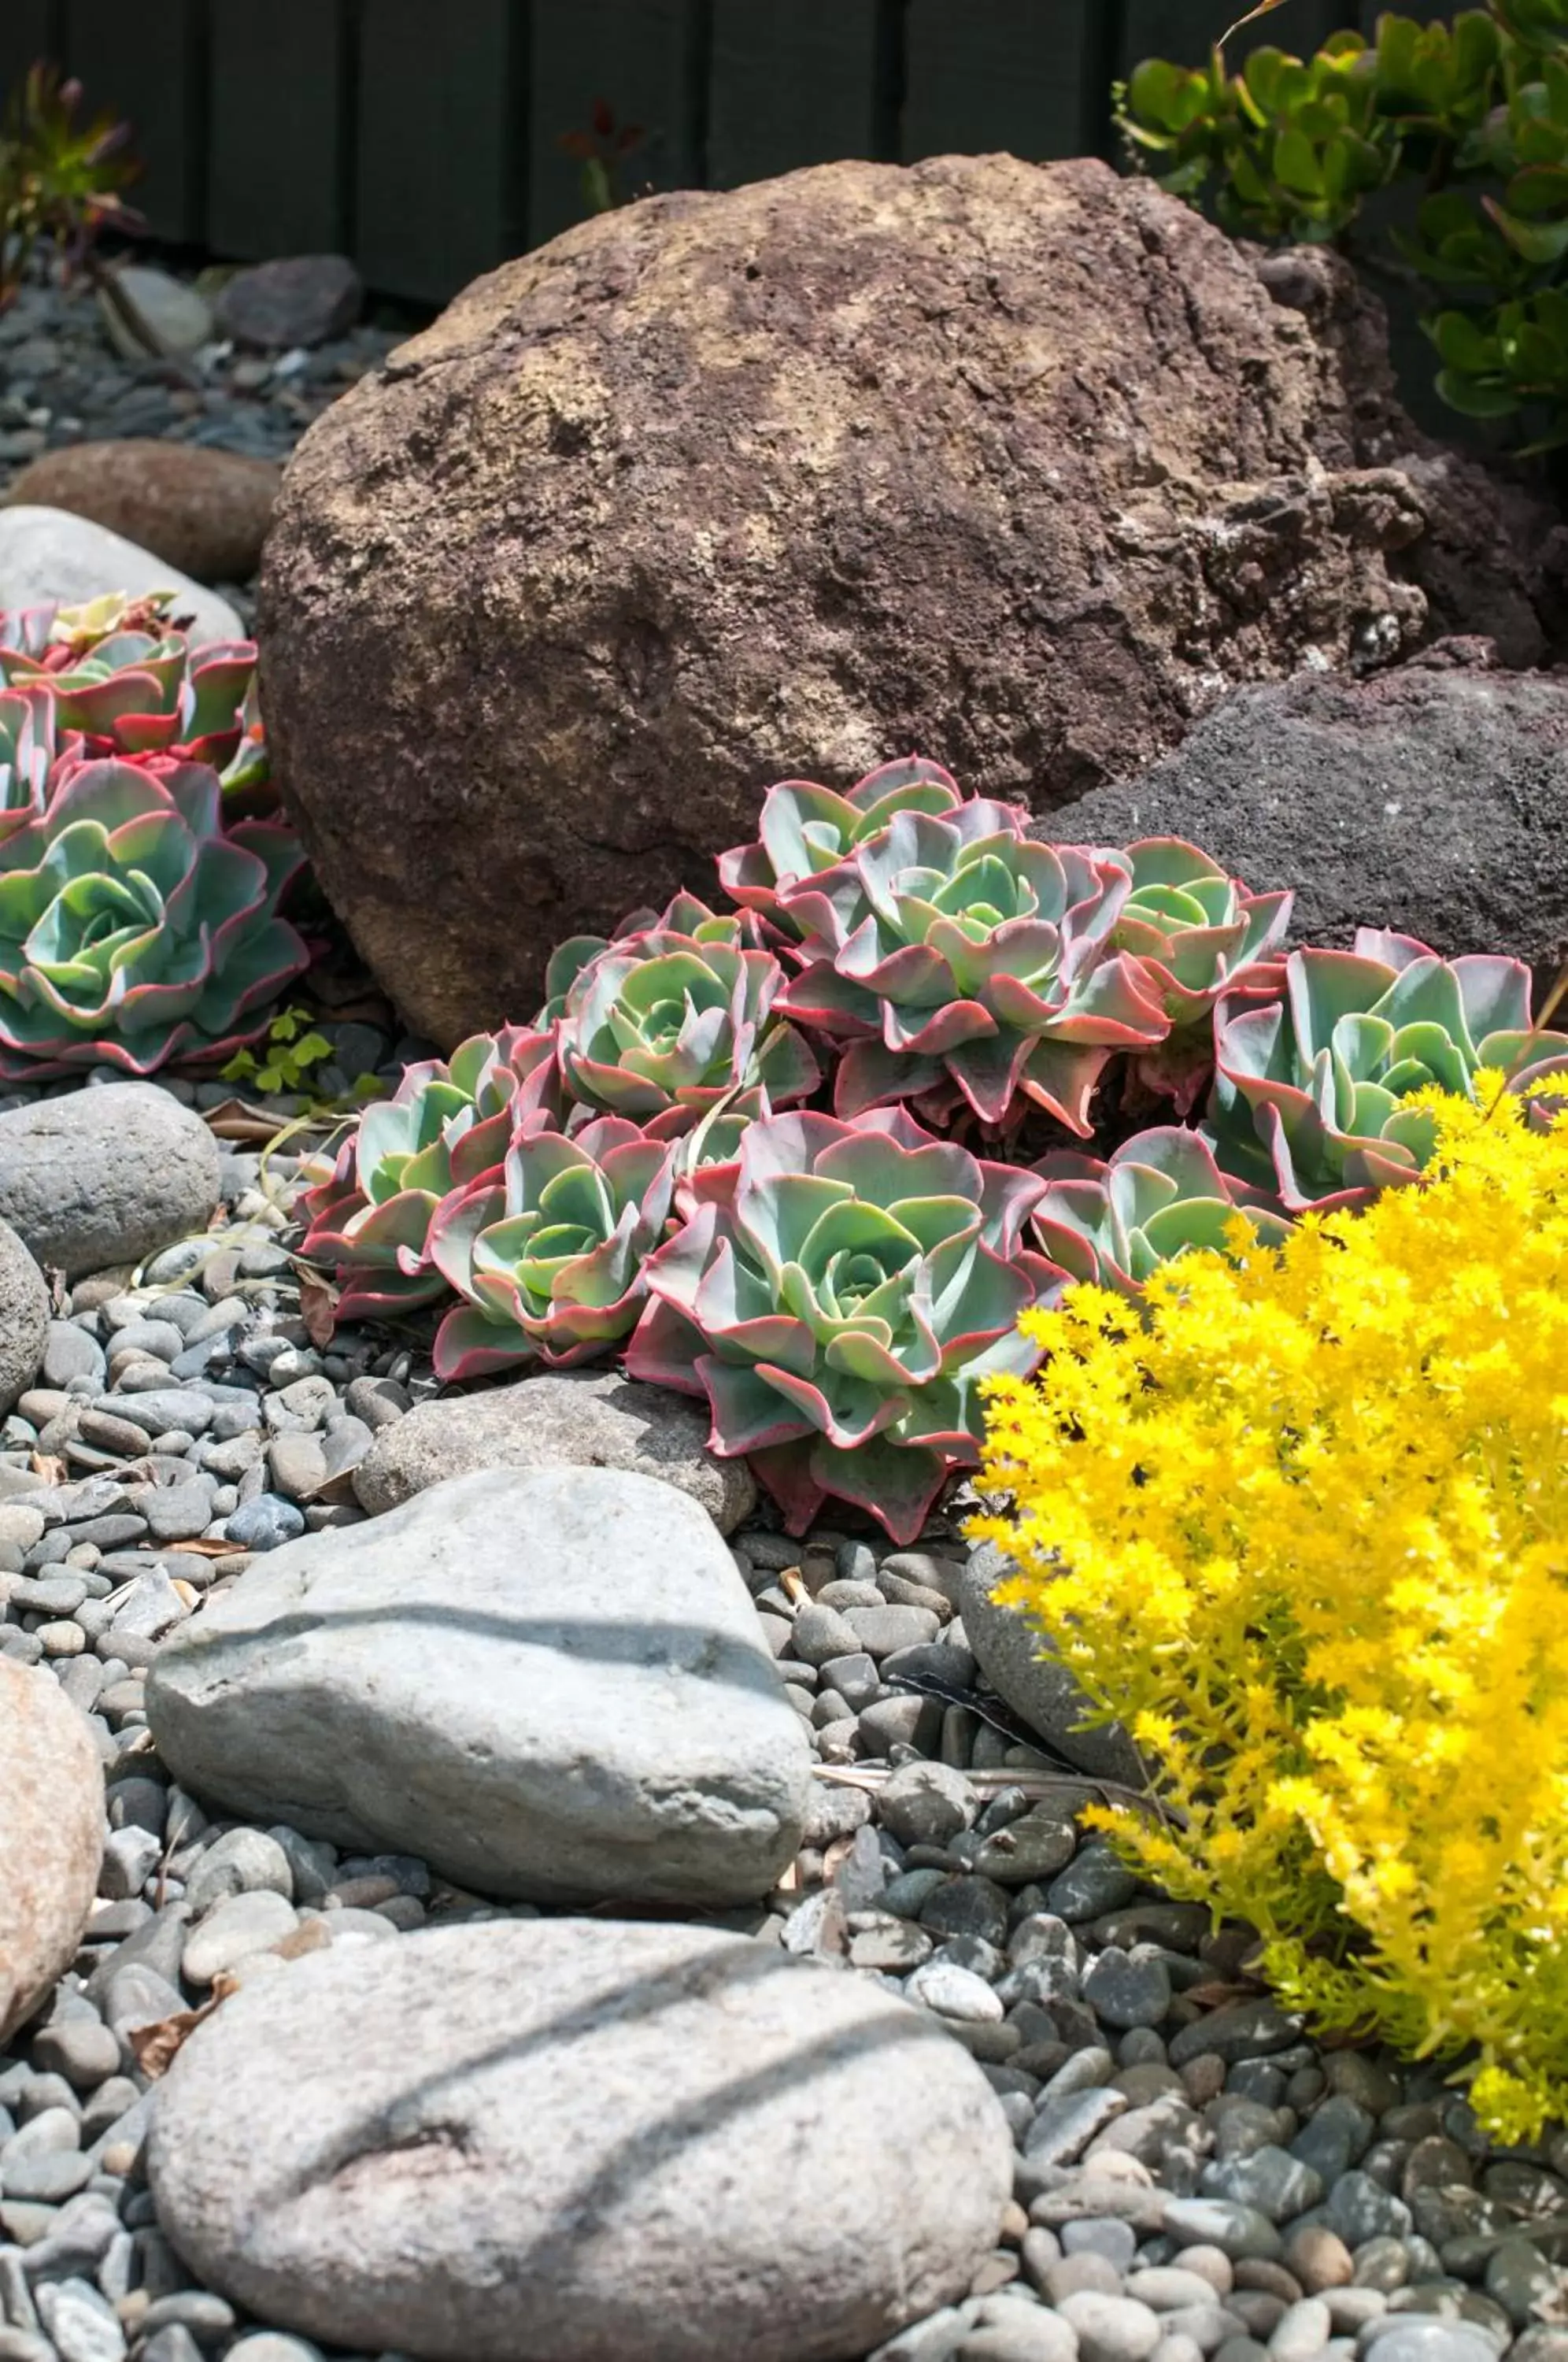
587, 1418
551, 1684
103, 1177
578, 2141
1432, 799
51, 1836
1018, 464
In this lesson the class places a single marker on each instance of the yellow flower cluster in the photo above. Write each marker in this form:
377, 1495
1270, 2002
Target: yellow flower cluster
1304, 1528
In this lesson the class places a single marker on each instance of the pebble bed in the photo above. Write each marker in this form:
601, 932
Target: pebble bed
1193, 2177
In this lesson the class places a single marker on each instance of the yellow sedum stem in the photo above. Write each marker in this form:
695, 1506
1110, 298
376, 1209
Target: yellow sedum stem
1303, 1527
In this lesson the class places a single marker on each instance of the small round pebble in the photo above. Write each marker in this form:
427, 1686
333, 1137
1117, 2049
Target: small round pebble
265, 1523
1112, 2328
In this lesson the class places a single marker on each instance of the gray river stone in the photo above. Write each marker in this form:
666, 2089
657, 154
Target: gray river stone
550, 1685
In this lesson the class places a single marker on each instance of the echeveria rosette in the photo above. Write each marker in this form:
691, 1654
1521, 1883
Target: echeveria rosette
1111, 1224
135, 929
805, 829
665, 1021
684, 914
1311, 1090
550, 1259
968, 963
839, 1304
1197, 934
448, 1126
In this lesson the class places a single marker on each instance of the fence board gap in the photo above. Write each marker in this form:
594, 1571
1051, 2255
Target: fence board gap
440, 139
793, 83
997, 74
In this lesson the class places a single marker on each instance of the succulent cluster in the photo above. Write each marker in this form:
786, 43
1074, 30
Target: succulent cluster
649, 1167
141, 866
122, 679
134, 928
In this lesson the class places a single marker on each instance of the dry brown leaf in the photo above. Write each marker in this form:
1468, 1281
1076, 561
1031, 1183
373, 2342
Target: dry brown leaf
1264, 8
45, 1465
791, 1583
156, 2046
318, 1309
239, 1119
199, 1546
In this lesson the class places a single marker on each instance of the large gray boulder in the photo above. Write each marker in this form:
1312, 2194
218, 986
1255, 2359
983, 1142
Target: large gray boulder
1019, 1662
1432, 799
551, 1685
24, 1317
578, 2141
51, 1836
105, 1176
589, 1419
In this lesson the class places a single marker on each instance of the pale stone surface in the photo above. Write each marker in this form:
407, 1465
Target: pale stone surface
48, 554
551, 1685
103, 1177
589, 1419
578, 2141
51, 1836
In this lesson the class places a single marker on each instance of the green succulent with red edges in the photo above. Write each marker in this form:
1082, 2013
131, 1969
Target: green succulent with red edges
1197, 934
1311, 1091
667, 1022
839, 1300
136, 928
449, 1125
126, 682
1160, 1194
968, 965
806, 829
27, 752
549, 1257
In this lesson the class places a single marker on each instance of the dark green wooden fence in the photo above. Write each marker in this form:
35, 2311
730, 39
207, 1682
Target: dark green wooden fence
422, 137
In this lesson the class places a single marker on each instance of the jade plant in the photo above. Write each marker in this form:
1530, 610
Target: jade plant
968, 964
126, 680
134, 928
839, 1304
1197, 934
549, 1255
1113, 1222
449, 1124
1477, 110
1311, 1090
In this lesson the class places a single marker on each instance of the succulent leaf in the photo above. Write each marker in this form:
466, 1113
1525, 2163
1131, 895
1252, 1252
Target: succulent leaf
134, 929
837, 1299
806, 829
446, 1130
1197, 934
550, 1255
965, 962
1111, 1224
1308, 1088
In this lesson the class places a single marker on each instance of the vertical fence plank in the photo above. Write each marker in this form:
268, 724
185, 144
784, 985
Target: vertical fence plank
276, 76
794, 81
27, 31
441, 142
644, 59
999, 73
147, 65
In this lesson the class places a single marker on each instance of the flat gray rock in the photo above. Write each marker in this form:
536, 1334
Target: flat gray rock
1018, 1662
24, 1317
591, 1419
105, 1176
550, 1685
580, 2141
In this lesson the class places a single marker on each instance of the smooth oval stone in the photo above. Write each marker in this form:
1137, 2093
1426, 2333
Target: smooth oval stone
524, 2138
51, 1836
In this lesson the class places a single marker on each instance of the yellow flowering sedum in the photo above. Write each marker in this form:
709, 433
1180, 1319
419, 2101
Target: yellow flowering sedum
1305, 1530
